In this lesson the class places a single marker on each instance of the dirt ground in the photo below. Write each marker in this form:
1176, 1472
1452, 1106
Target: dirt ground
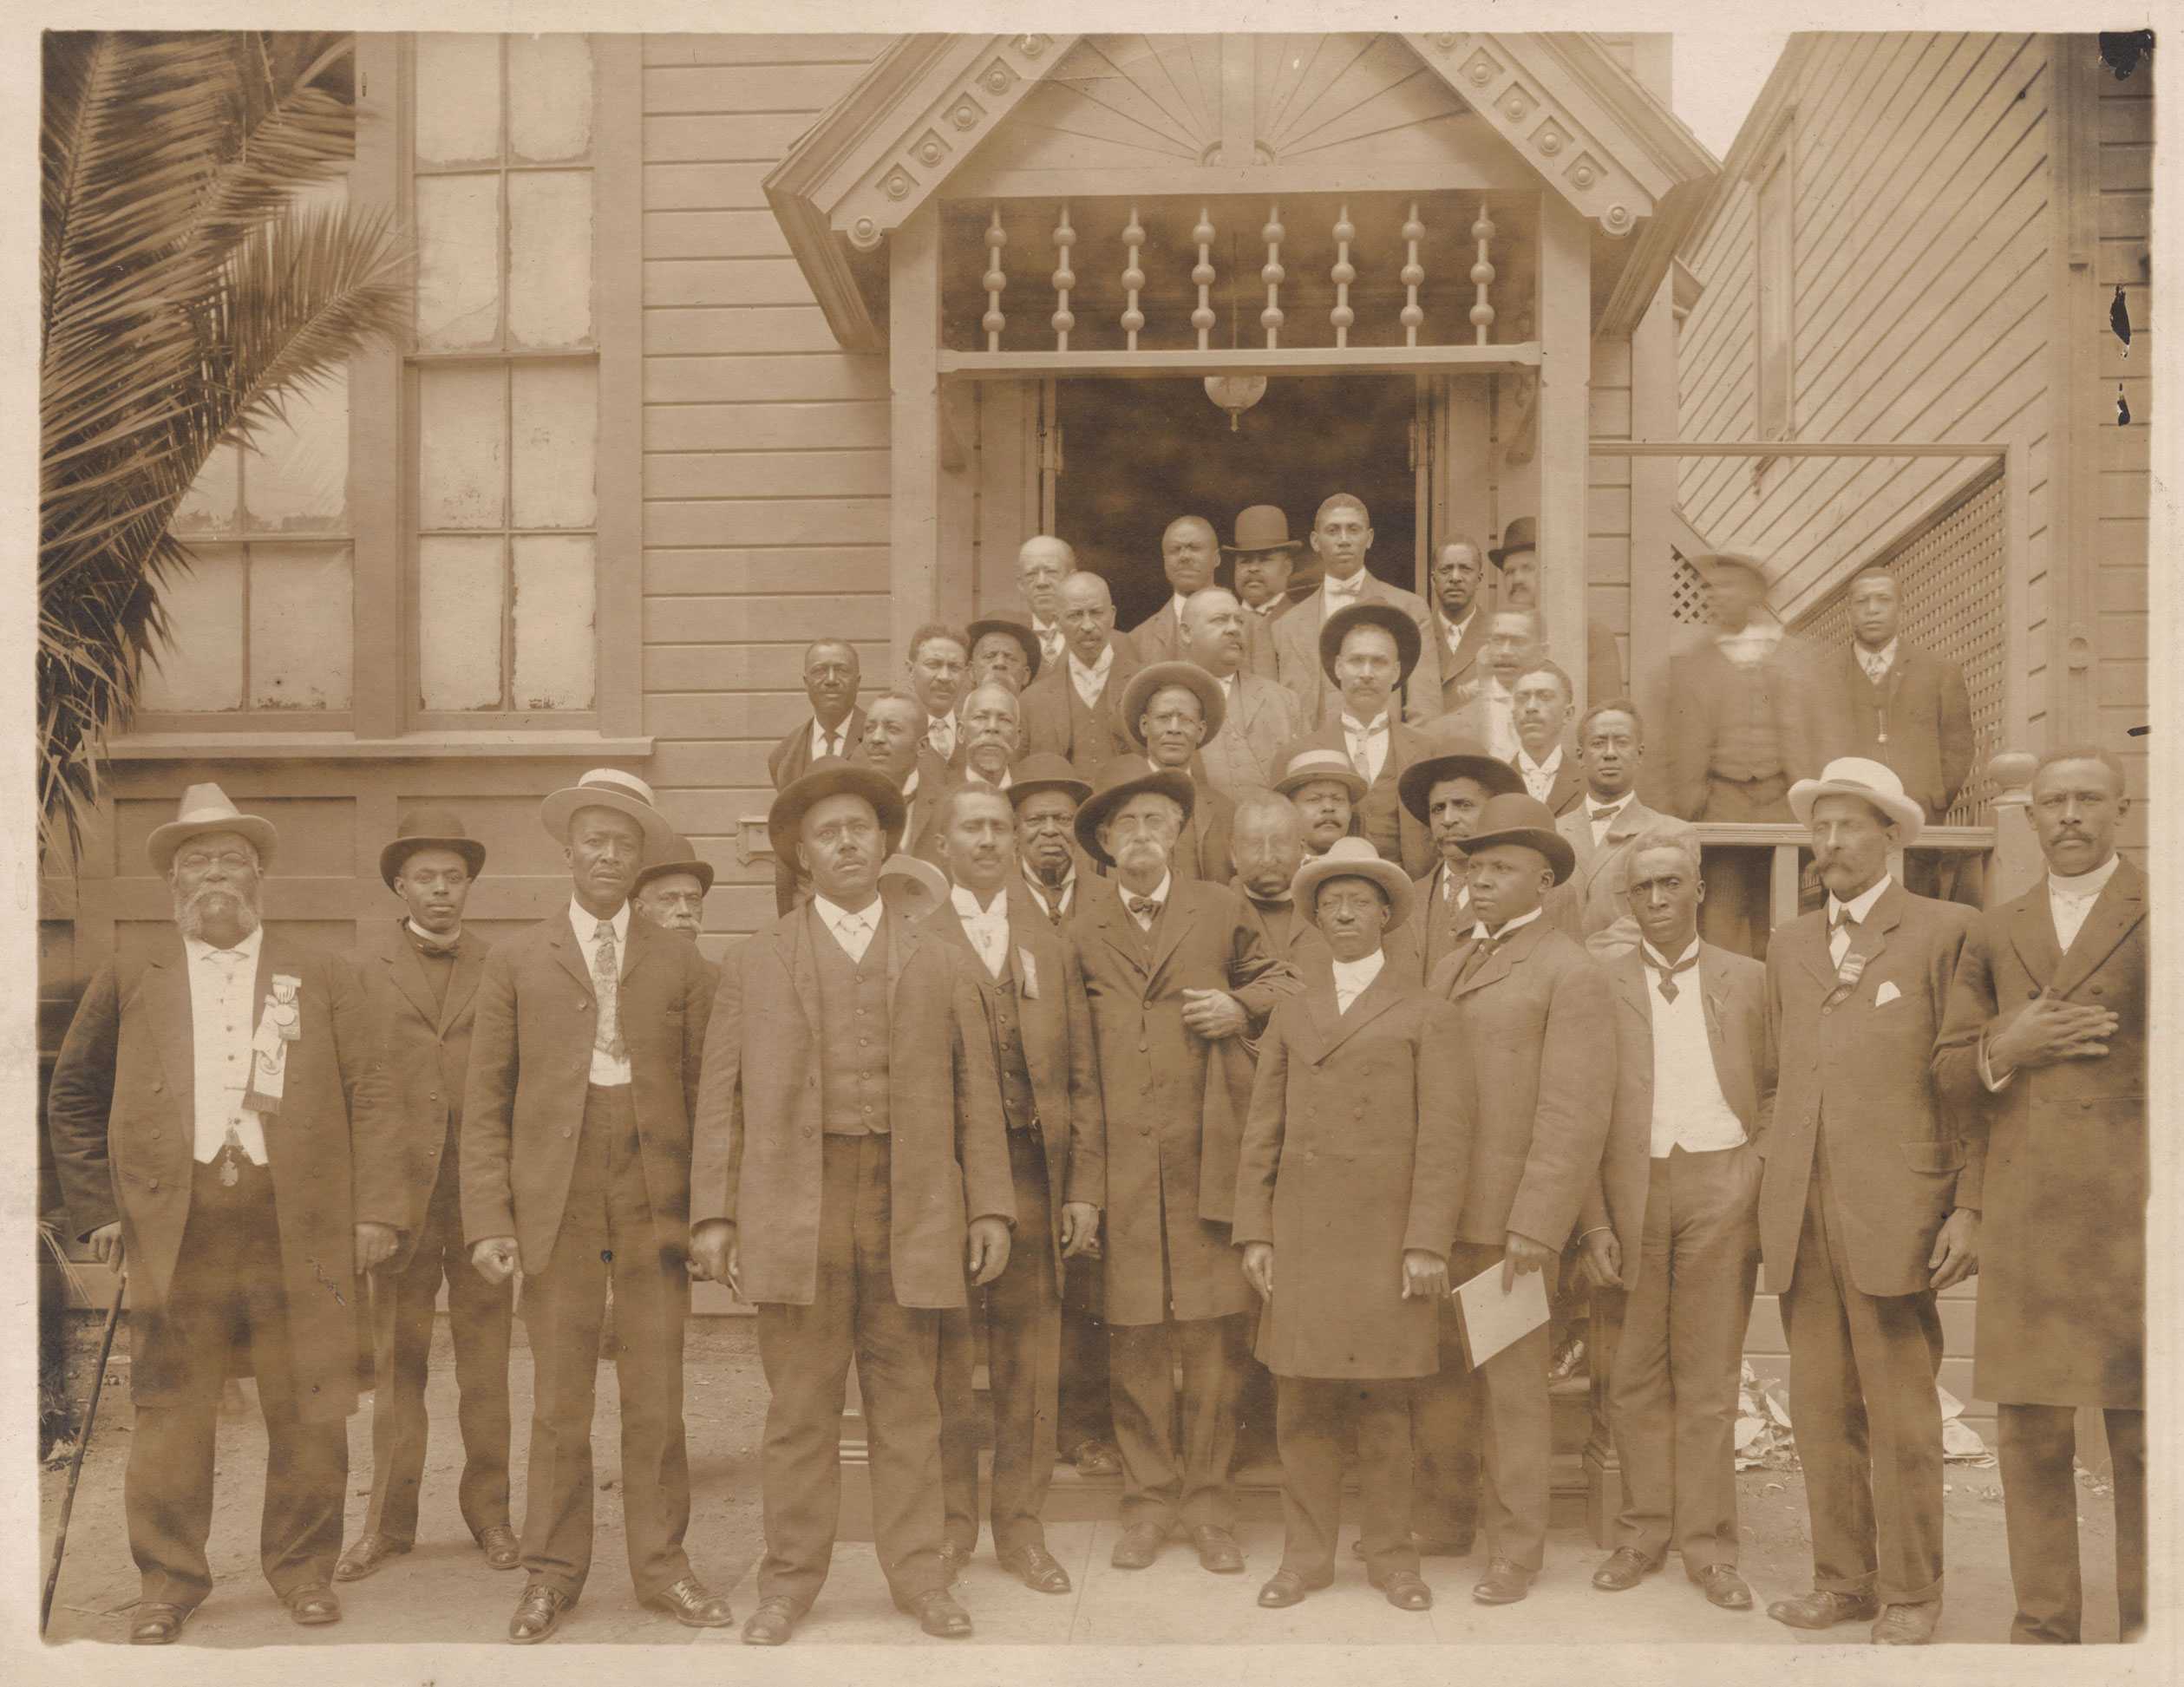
441, 1591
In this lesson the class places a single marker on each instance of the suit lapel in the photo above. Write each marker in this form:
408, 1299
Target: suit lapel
2120, 906
1497, 964
165, 989
1630, 983
1115, 925
408, 970
1374, 1000
902, 940
470, 965
1174, 922
793, 935
568, 950
2032, 935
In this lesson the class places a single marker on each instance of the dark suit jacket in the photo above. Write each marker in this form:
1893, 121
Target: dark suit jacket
1380, 818
1858, 1071
1297, 657
1538, 1044
1734, 992
1049, 723
1462, 673
2059, 1166
530, 1065
920, 834
1698, 680
1589, 905
1568, 789
122, 1115
1917, 721
1434, 930
788, 759
1205, 849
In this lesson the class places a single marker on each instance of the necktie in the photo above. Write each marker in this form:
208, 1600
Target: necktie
1841, 919
1481, 953
1051, 643
1143, 907
853, 932
1599, 814
941, 734
1052, 904
1667, 985
1360, 738
606, 977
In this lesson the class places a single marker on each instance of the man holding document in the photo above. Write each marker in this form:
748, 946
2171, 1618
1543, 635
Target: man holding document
1536, 1027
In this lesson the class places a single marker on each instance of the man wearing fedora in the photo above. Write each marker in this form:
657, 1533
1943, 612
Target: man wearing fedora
836, 727
1673, 1221
1325, 789
1458, 623
1003, 652
2047, 1036
850, 1171
1348, 1185
1258, 718
1368, 652
1189, 551
1170, 709
1592, 907
1341, 535
1041, 1031
1176, 971
1446, 793
671, 892
1869, 1205
1074, 709
219, 1125
420, 975
895, 748
1043, 563
1264, 557
1045, 793
576, 1163
1538, 1040
1516, 559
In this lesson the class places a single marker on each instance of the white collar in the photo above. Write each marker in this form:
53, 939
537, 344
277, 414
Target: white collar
1592, 804
1354, 586
1105, 662
1043, 628
2077, 888
1266, 608
910, 786
966, 901
1352, 724
1479, 927
1178, 601
197, 949
1525, 762
820, 735
1864, 903
1227, 682
586, 925
1049, 892
972, 776
1354, 976
1158, 893
834, 913
1885, 658
431, 940
1456, 629
1654, 956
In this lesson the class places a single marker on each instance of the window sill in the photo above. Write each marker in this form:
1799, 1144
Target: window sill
347, 747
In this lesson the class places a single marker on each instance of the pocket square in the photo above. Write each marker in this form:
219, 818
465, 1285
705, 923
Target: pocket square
1886, 994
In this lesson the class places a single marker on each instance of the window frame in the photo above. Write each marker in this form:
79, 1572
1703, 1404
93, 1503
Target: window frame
1775, 171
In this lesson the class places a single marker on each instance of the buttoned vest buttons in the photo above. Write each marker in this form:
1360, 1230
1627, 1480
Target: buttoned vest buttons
852, 1024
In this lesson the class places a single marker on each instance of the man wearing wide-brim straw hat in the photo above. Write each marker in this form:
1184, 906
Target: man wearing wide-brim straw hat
220, 1124
911, 886
1171, 710
1263, 558
421, 974
576, 1145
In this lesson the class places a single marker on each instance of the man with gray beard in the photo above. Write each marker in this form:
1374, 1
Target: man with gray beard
218, 1122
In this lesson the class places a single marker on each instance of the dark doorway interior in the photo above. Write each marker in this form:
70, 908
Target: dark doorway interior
1135, 455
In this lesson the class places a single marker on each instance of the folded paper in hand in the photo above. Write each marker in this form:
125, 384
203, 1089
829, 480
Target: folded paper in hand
1493, 1320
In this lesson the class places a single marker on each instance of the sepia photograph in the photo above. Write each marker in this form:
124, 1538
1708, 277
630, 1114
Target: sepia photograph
900, 843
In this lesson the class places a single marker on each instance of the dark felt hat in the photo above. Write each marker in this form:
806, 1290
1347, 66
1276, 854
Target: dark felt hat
686, 860
831, 775
1459, 759
1263, 527
1408, 642
1521, 534
430, 828
1155, 677
1120, 780
1517, 817
1016, 629
1045, 771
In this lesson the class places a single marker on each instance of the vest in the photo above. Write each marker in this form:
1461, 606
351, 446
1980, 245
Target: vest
853, 1034
1746, 745
1016, 1099
1445, 926
1091, 731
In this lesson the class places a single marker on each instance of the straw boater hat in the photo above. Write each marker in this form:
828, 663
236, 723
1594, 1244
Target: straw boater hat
1124, 777
1462, 759
685, 858
1709, 563
431, 828
1518, 817
1308, 767
608, 788
1872, 781
912, 885
1352, 858
1386, 616
1046, 771
1016, 629
1147, 682
1521, 534
1263, 527
831, 776
205, 808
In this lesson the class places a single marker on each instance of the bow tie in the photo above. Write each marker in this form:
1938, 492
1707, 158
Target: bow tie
1143, 906
1603, 813
1349, 588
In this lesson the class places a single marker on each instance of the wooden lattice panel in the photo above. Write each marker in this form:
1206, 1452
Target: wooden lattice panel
1687, 592
1952, 575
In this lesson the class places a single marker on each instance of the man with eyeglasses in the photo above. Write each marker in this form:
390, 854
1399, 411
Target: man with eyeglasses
836, 727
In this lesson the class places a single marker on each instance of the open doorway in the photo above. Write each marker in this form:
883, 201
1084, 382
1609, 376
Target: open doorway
1137, 453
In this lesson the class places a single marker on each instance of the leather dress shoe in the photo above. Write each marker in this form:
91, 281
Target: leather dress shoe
1822, 1609
500, 1547
689, 1603
159, 1624
1724, 1587
1138, 1545
1096, 1458
313, 1606
1405, 1590
1285, 1587
1621, 1570
953, 1558
1907, 1624
771, 1623
1503, 1584
1036, 1568
367, 1553
1217, 1550
537, 1613
938, 1613
1423, 1546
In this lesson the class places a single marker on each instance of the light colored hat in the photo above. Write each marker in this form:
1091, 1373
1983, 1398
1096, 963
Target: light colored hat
912, 886
1353, 858
205, 808
1854, 775
1157, 676
608, 788
1308, 766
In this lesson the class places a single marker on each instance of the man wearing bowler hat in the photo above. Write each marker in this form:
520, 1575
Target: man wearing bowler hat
1447, 793
576, 1162
1869, 1204
1264, 557
1260, 716
850, 1171
219, 1123
1177, 972
1516, 560
1045, 794
1538, 1038
1003, 652
421, 974
671, 893
1170, 709
1341, 535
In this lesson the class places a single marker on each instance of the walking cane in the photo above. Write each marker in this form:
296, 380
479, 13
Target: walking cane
83, 1441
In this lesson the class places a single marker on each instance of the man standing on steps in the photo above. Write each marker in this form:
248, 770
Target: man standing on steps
836, 727
1341, 535
892, 746
671, 894
1043, 563
1591, 907
1324, 786
1459, 622
1516, 559
419, 975
1259, 716
1266, 556
576, 1146
938, 667
1539, 710
1189, 550
1172, 707
1447, 793
1074, 709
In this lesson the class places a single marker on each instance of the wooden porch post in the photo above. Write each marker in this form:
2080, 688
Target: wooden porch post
1566, 381
913, 432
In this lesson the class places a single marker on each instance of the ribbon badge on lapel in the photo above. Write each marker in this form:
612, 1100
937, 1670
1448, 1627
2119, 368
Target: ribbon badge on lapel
280, 1025
1852, 967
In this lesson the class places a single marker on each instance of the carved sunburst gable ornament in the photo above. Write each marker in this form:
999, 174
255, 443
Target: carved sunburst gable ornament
1239, 103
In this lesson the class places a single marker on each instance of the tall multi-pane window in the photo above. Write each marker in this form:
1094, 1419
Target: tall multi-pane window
504, 377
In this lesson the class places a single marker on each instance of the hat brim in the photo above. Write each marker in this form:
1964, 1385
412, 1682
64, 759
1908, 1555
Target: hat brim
1393, 882
915, 870
1902, 811
560, 808
1552, 845
1020, 789
1415, 786
391, 856
1027, 640
701, 871
833, 777
1156, 677
1500, 553
166, 840
1409, 643
1350, 779
1093, 813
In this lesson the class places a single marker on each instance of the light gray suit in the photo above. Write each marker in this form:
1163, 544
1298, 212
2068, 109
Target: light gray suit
1262, 717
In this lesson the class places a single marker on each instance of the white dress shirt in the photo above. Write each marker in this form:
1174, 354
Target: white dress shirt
1689, 1110
1875, 662
1090, 682
607, 1071
987, 928
223, 992
853, 931
1752, 643
1058, 898
972, 776
940, 733
1050, 634
1452, 632
826, 743
1539, 777
1602, 816
1502, 728
1227, 682
1454, 887
2070, 899
1479, 927
1367, 742
1338, 595
1158, 894
434, 939
1860, 906
1352, 977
